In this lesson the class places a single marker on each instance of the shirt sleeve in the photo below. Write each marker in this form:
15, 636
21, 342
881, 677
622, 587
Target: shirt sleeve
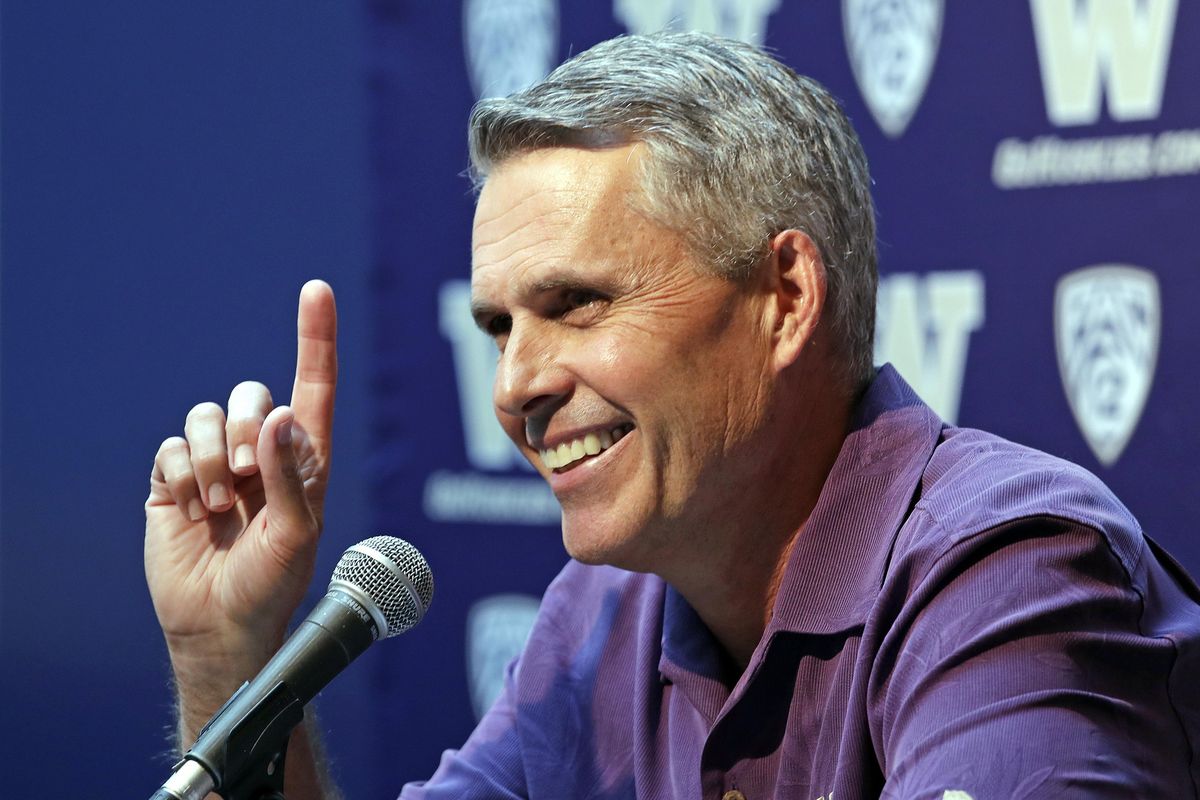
488, 766
1022, 665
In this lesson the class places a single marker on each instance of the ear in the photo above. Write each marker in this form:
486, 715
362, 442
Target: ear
798, 284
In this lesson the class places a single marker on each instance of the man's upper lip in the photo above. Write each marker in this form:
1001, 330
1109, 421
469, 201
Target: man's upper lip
558, 437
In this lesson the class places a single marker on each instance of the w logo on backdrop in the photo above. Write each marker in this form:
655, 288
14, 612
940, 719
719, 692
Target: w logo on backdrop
1106, 328
1118, 48
737, 19
892, 46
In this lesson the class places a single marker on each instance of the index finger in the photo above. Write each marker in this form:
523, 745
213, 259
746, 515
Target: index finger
316, 361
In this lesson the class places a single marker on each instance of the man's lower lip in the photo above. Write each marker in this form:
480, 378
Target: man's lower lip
582, 461
574, 464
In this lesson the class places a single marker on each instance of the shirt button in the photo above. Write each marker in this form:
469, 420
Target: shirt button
733, 794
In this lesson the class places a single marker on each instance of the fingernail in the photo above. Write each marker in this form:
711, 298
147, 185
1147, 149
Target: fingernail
243, 456
283, 434
218, 495
195, 509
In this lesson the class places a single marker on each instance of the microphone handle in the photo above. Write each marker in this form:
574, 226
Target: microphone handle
240, 751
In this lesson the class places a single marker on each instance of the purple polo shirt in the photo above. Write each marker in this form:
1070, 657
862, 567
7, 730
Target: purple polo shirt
961, 617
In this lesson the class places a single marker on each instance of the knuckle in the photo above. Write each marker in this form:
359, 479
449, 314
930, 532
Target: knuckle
181, 483
242, 431
203, 412
251, 392
251, 387
171, 446
207, 452
176, 468
250, 395
208, 459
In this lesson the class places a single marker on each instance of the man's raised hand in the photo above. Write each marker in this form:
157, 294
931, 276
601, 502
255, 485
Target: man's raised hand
233, 516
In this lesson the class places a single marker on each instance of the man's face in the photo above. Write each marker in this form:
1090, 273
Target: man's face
631, 379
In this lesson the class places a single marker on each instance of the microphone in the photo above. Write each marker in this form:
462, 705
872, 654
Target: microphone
381, 587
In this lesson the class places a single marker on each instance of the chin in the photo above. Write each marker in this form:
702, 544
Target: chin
597, 544
590, 543
586, 549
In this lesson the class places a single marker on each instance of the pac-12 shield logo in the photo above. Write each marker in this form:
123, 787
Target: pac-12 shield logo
1106, 328
892, 46
738, 19
510, 44
497, 627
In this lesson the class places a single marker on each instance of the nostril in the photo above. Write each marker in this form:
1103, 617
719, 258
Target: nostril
539, 403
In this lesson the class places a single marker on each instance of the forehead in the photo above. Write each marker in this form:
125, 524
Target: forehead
556, 207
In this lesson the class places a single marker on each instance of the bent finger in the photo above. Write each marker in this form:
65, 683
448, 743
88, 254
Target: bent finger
283, 485
173, 469
249, 404
205, 432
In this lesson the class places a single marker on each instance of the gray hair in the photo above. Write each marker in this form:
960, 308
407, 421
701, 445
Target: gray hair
741, 148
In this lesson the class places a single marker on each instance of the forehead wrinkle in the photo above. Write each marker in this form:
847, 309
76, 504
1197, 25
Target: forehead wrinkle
593, 186
483, 227
516, 257
536, 243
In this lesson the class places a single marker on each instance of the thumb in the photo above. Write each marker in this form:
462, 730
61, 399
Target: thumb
288, 513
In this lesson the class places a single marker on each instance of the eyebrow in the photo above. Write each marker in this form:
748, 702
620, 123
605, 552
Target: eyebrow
557, 284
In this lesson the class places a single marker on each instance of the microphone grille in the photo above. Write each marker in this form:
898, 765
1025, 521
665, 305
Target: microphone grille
393, 575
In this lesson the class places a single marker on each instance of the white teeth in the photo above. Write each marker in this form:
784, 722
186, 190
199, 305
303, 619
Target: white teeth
590, 445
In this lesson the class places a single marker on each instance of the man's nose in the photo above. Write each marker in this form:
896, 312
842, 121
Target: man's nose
529, 374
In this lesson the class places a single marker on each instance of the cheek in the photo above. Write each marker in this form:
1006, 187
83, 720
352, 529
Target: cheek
622, 369
606, 353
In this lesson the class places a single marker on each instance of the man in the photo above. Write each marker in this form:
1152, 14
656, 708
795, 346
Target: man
789, 578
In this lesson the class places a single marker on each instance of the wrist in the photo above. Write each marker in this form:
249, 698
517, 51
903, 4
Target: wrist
208, 670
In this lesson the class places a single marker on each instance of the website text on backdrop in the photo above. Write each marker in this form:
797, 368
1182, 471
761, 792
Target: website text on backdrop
789, 577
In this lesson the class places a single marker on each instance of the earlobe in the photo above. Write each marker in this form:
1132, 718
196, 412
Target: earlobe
799, 287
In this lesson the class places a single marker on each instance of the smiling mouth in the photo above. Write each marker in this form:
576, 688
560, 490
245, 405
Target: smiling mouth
568, 455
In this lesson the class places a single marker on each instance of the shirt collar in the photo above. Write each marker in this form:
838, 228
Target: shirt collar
688, 647
836, 566
837, 563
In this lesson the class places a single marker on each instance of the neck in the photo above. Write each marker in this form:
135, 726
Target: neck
734, 574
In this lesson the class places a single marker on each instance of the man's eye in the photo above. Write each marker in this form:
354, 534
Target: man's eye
579, 299
498, 325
